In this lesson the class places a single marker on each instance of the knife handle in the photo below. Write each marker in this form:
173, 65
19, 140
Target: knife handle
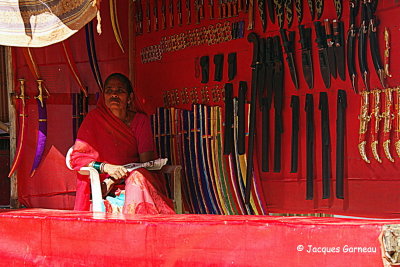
328, 30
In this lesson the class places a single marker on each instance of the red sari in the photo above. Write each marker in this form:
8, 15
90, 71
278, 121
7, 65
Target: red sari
105, 138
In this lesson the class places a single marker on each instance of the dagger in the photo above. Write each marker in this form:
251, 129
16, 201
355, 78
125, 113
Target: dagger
323, 53
375, 121
387, 117
374, 44
171, 13
288, 45
306, 58
387, 52
362, 46
351, 46
179, 10
338, 34
331, 47
364, 118
155, 14
163, 14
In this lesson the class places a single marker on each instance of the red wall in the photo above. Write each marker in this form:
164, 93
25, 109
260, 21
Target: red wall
371, 189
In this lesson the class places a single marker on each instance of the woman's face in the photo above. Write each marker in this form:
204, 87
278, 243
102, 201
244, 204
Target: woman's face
116, 95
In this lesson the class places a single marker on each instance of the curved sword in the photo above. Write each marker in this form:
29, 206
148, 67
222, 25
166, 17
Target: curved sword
362, 47
23, 114
71, 64
115, 25
42, 133
351, 44
91, 49
375, 123
374, 45
387, 123
364, 118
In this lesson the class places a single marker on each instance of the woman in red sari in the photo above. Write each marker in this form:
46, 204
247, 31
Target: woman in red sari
112, 135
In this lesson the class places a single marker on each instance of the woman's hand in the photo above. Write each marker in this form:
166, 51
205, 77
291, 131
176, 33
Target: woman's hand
115, 171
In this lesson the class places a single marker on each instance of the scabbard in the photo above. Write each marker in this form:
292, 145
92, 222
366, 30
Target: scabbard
326, 145
309, 108
204, 63
219, 64
295, 105
265, 135
242, 118
228, 140
340, 133
42, 136
91, 50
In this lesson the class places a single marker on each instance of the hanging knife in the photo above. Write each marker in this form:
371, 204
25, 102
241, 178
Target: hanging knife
148, 16
362, 45
299, 10
311, 7
331, 47
373, 42
338, 8
279, 12
351, 43
139, 17
288, 45
387, 53
306, 58
323, 53
179, 10
271, 10
319, 8
188, 11
263, 15
289, 12
155, 14
164, 14
338, 35
171, 13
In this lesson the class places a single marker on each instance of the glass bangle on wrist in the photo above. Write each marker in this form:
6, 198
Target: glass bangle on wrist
96, 165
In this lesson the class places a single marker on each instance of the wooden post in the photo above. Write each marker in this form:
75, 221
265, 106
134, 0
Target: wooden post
14, 203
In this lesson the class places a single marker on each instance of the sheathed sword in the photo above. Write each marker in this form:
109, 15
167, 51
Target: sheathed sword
331, 47
139, 17
42, 129
252, 38
298, 4
397, 120
387, 117
362, 46
310, 146
326, 145
338, 35
387, 53
278, 102
288, 45
71, 64
91, 50
364, 118
351, 44
323, 53
115, 25
340, 142
22, 114
375, 123
306, 58
374, 44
